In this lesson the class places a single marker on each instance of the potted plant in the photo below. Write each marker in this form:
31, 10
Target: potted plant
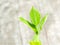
36, 23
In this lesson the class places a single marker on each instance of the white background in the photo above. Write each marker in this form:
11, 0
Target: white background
14, 32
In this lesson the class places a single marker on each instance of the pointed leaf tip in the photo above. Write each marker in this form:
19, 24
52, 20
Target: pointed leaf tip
43, 21
35, 16
32, 26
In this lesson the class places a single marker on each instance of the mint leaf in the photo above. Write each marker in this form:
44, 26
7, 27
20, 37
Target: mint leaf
35, 16
32, 26
43, 20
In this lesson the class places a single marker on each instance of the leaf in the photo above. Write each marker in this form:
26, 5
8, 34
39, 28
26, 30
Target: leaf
42, 22
32, 26
35, 16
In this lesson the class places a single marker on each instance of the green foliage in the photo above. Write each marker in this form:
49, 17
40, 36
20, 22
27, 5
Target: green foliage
43, 20
36, 24
35, 16
32, 26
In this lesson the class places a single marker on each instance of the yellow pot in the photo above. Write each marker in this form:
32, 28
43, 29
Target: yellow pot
35, 43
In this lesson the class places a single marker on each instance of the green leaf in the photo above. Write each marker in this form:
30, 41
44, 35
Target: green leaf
35, 16
43, 20
32, 26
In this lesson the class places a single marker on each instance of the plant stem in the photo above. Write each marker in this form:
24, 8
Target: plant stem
36, 37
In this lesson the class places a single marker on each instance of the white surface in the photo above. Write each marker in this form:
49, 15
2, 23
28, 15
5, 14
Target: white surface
13, 32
